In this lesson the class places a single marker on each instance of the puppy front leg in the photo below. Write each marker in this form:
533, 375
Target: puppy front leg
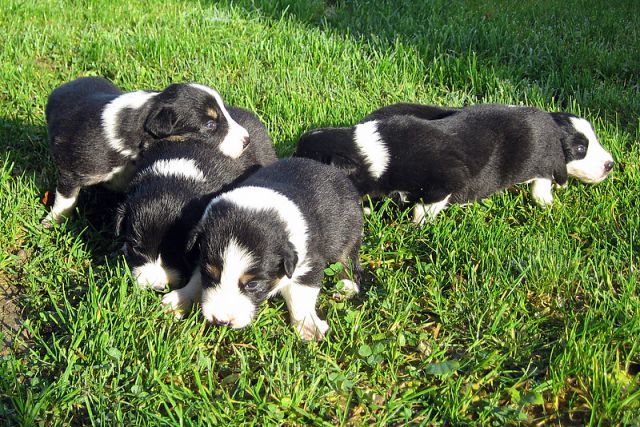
181, 300
541, 191
301, 302
423, 212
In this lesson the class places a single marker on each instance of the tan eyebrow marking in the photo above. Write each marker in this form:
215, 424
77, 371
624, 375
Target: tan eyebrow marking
175, 138
246, 278
211, 112
213, 271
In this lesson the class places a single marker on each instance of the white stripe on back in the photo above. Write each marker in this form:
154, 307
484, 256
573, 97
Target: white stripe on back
372, 148
180, 168
133, 100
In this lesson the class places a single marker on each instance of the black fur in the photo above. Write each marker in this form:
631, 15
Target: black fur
160, 211
329, 205
80, 145
468, 153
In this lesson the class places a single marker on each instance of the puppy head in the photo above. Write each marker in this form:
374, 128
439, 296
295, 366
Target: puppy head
335, 147
243, 257
155, 225
586, 159
186, 110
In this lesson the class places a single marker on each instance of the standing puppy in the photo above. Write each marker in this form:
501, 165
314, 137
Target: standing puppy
274, 234
436, 156
97, 132
169, 193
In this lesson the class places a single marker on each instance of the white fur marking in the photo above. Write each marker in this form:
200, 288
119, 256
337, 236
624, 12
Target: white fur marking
155, 275
422, 212
61, 208
118, 179
350, 287
180, 168
372, 148
181, 300
541, 191
590, 169
225, 303
301, 302
261, 199
132, 100
232, 144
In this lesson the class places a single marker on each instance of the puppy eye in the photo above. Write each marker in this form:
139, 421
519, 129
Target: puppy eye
211, 124
581, 148
251, 286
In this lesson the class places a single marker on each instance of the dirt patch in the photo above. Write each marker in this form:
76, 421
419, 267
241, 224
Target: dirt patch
10, 314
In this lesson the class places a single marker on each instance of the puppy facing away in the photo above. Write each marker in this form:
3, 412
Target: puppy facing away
274, 234
435, 156
97, 132
168, 194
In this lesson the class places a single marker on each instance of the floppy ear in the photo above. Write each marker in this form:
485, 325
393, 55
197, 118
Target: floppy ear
560, 175
289, 259
161, 122
121, 212
193, 236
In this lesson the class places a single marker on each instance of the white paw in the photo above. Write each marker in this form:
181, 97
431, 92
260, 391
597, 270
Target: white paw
543, 200
177, 303
349, 289
312, 328
541, 191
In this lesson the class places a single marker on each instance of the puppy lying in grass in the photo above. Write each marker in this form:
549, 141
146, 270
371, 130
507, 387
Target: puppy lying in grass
435, 156
274, 234
97, 132
169, 192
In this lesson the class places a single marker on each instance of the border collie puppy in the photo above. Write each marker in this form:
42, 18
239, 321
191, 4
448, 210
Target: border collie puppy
435, 156
97, 132
168, 194
274, 234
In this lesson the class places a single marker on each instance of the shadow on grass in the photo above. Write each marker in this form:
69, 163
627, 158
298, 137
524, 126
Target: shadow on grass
557, 51
25, 146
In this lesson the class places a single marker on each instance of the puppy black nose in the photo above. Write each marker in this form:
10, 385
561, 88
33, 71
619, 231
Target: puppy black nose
245, 142
222, 322
608, 165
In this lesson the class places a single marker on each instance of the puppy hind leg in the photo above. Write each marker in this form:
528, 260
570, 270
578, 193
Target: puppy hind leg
541, 191
351, 274
63, 203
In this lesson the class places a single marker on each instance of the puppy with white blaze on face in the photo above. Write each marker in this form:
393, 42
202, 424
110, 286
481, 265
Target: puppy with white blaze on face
97, 133
435, 156
275, 234
169, 192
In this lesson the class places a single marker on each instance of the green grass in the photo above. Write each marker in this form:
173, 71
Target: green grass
496, 313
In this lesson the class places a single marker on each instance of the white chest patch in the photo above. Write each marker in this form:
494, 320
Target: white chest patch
132, 100
371, 147
155, 275
180, 168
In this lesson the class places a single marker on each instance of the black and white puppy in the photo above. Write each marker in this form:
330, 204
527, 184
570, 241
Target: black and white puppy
97, 132
435, 156
168, 194
274, 234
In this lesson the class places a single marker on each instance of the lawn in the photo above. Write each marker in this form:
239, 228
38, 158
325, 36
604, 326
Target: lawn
496, 313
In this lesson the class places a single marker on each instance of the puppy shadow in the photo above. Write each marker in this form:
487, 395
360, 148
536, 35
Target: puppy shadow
25, 153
